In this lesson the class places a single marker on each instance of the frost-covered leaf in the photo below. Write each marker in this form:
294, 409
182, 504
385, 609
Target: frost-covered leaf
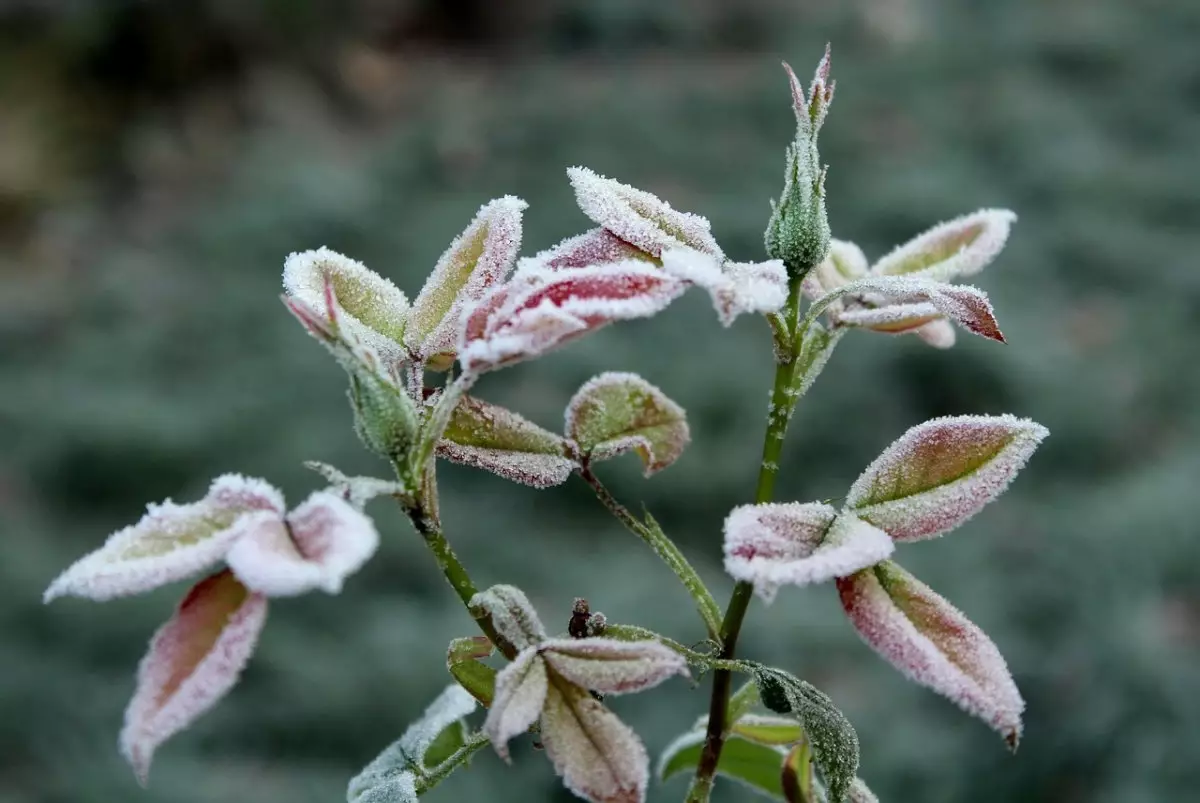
754, 765
904, 303
614, 413
396, 788
933, 644
610, 666
639, 218
530, 316
355, 490
193, 661
860, 793
491, 437
939, 333
521, 689
736, 287
815, 351
478, 259
462, 660
316, 546
941, 473
765, 729
771, 545
844, 263
960, 247
512, 614
594, 247
371, 309
597, 755
171, 542
834, 742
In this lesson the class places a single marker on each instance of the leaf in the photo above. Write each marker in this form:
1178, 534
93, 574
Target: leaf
594, 247
462, 660
736, 287
834, 742
797, 777
905, 303
355, 490
520, 693
815, 351
771, 545
597, 755
171, 542
478, 259
639, 218
614, 413
844, 263
939, 333
933, 644
372, 309
860, 793
531, 316
491, 437
512, 615
613, 667
397, 788
753, 765
193, 661
959, 247
317, 546
941, 473
768, 730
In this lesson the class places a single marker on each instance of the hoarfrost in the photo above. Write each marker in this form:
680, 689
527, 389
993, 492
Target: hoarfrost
960, 247
594, 247
493, 438
967, 306
520, 694
597, 755
512, 615
737, 287
613, 667
615, 412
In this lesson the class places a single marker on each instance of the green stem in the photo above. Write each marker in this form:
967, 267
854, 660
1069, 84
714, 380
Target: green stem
459, 757
665, 548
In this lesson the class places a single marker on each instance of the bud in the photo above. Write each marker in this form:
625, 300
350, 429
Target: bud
798, 232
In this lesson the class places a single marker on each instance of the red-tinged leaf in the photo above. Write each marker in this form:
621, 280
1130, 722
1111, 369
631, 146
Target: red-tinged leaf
967, 306
614, 413
324, 540
960, 247
941, 473
933, 644
892, 319
811, 109
610, 666
736, 287
171, 542
597, 755
194, 660
598, 246
638, 217
491, 437
520, 694
478, 259
771, 545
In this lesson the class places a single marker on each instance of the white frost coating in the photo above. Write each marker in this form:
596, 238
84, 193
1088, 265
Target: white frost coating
478, 259
860, 793
594, 247
967, 306
372, 309
520, 694
613, 667
512, 615
324, 541
939, 334
771, 545
400, 787
737, 287
844, 263
193, 661
892, 318
638, 217
960, 247
597, 755
615, 412
170, 542
940, 473
933, 644
526, 468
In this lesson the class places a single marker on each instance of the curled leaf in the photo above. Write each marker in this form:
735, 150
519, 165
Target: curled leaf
610, 666
736, 287
959, 247
614, 413
638, 217
491, 437
933, 644
521, 689
193, 661
512, 615
597, 755
478, 259
171, 542
771, 545
941, 473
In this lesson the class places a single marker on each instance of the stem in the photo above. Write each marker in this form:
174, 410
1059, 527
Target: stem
458, 758
665, 548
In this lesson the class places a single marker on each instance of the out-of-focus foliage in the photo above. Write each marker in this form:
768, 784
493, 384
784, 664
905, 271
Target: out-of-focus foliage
159, 160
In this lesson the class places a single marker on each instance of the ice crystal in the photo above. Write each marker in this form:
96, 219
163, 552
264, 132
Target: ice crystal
736, 287
614, 412
493, 438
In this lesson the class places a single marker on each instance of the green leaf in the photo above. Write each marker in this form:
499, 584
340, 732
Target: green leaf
462, 659
754, 765
614, 413
768, 730
815, 350
834, 742
445, 744
797, 775
493, 438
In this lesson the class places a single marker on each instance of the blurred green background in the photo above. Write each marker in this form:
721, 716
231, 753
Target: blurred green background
159, 160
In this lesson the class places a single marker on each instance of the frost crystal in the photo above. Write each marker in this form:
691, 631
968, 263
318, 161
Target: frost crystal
638, 217
372, 309
594, 247
960, 247
193, 661
771, 545
737, 287
491, 437
613, 413
941, 473
933, 644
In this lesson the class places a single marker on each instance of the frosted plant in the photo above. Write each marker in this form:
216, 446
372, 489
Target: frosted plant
485, 308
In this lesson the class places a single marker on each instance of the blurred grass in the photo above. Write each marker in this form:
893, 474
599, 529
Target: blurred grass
158, 162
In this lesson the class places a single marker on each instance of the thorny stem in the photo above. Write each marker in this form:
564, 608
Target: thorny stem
665, 548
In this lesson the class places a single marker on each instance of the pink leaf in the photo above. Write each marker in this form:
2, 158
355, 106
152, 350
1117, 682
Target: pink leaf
491, 437
323, 541
520, 694
933, 644
478, 259
613, 667
597, 755
960, 247
771, 545
920, 301
171, 542
194, 660
941, 473
595, 247
614, 413
639, 218
736, 287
